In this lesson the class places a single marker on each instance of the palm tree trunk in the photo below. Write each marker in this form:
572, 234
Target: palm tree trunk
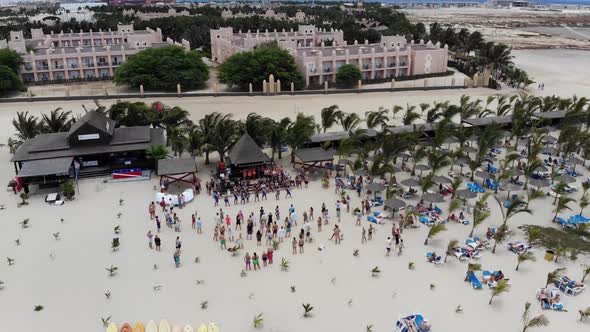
206, 157
491, 298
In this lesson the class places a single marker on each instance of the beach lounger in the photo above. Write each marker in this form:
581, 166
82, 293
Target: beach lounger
426, 221
518, 247
374, 219
437, 260
472, 278
479, 188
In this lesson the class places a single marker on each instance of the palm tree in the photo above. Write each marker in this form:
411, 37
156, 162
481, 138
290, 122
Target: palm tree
299, 132
396, 109
501, 287
526, 256
585, 272
196, 140
257, 127
562, 205
434, 230
156, 152
57, 121
478, 219
499, 237
437, 159
223, 136
350, 121
451, 248
258, 321
330, 116
472, 267
554, 276
528, 321
27, 126
410, 115
178, 141
375, 119
584, 202
278, 137
454, 205
307, 308
207, 125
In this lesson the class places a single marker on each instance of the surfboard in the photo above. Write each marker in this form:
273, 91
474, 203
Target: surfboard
187, 328
112, 328
212, 327
176, 328
126, 328
202, 328
138, 327
151, 327
164, 326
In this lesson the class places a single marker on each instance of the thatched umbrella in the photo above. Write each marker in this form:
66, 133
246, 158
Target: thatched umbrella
549, 139
394, 203
439, 179
410, 182
510, 187
375, 187
465, 194
565, 178
541, 168
433, 198
575, 161
539, 183
422, 168
550, 150
469, 149
360, 172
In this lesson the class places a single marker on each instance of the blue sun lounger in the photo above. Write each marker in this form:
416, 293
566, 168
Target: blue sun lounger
425, 221
571, 172
473, 280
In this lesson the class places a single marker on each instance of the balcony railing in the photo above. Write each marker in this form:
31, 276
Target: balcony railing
402, 64
89, 65
58, 67
42, 67
391, 64
366, 66
103, 64
28, 68
74, 65
312, 70
327, 70
378, 65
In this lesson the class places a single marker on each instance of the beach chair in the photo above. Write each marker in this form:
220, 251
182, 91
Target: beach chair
564, 223
479, 188
571, 172
436, 260
378, 201
426, 221
471, 187
472, 278
492, 169
493, 185
437, 209
374, 219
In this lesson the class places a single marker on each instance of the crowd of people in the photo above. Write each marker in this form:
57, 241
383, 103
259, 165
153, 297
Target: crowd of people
270, 228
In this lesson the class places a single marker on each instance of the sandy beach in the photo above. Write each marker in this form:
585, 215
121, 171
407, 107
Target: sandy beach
68, 276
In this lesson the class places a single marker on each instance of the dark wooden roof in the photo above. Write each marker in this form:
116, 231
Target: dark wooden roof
55, 166
314, 154
46, 146
486, 121
176, 166
97, 120
246, 151
550, 115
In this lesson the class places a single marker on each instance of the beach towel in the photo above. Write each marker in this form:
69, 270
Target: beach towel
425, 221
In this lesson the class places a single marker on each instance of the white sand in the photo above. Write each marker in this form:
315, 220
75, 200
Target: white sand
71, 287
564, 72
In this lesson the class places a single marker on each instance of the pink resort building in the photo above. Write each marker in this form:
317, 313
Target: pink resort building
392, 57
72, 56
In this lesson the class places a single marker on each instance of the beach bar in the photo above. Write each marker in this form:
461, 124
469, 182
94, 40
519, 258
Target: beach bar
94, 145
246, 160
